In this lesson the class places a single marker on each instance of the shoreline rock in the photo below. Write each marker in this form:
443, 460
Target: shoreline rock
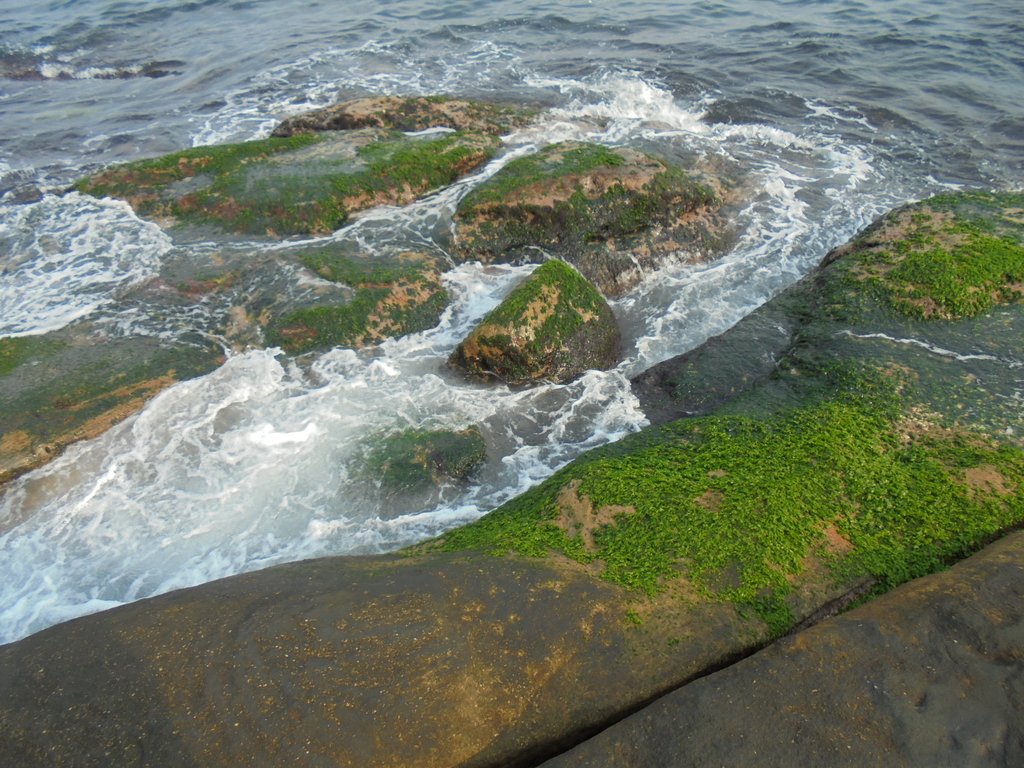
929, 674
406, 114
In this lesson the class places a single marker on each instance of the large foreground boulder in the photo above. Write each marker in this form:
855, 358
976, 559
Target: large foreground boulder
553, 326
614, 213
931, 674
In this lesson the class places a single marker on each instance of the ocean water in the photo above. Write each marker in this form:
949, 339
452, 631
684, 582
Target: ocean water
830, 112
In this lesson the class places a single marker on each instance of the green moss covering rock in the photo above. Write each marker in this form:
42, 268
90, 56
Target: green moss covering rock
554, 326
64, 387
391, 296
614, 213
419, 459
951, 257
408, 114
305, 184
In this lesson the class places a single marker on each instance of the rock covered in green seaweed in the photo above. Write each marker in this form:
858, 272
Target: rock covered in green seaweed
418, 459
304, 184
408, 114
949, 257
553, 326
391, 296
614, 213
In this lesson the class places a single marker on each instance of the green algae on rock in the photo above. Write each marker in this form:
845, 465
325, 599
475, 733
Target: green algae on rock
553, 326
408, 114
65, 387
392, 296
949, 257
613, 213
305, 184
419, 458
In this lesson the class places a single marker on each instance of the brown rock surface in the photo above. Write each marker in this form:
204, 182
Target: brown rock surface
443, 660
406, 114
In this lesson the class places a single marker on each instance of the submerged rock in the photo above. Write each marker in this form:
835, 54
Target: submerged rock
391, 296
554, 326
305, 184
68, 386
417, 459
408, 114
615, 214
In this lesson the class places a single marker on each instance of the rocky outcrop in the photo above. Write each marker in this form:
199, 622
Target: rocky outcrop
554, 326
304, 184
614, 214
930, 674
408, 114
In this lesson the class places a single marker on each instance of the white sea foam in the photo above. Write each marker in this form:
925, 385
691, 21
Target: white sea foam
65, 256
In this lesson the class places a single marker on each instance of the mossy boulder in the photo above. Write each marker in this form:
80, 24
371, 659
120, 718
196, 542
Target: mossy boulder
553, 326
304, 184
614, 213
408, 114
391, 295
419, 459
68, 386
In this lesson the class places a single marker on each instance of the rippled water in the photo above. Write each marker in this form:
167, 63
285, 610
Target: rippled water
830, 112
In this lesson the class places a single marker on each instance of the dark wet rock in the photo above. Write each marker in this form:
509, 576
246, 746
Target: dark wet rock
418, 458
930, 674
615, 214
391, 295
440, 660
554, 326
298, 185
68, 386
408, 114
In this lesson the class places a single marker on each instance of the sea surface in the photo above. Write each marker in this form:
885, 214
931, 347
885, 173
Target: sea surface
830, 112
